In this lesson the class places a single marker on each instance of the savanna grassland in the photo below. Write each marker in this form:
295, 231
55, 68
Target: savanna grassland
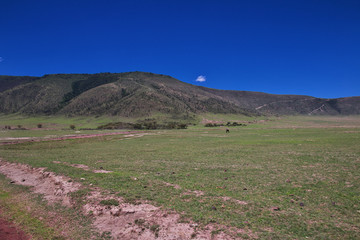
282, 178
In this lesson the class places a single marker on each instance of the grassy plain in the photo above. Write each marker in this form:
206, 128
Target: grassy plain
286, 178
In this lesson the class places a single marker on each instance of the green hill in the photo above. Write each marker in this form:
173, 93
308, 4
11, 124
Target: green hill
140, 94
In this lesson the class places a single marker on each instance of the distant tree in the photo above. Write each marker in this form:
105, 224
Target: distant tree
182, 126
150, 125
123, 92
137, 126
171, 125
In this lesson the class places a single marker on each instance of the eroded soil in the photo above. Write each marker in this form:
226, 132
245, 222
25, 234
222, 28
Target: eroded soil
54, 188
122, 220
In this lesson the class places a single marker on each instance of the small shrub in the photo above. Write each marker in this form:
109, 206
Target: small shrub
110, 202
212, 125
182, 126
72, 127
39, 125
155, 229
137, 126
151, 125
116, 125
215, 232
106, 235
171, 125
139, 221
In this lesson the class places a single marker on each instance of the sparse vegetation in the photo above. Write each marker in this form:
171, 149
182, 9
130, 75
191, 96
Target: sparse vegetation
139, 221
110, 202
155, 229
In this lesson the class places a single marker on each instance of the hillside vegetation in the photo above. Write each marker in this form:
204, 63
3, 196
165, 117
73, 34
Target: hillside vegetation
140, 94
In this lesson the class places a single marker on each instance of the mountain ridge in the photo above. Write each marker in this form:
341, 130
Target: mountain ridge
141, 94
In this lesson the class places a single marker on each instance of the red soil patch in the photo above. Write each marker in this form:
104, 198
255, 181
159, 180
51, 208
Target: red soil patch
8, 231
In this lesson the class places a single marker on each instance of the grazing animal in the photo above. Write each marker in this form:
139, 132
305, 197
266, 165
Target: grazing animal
227, 130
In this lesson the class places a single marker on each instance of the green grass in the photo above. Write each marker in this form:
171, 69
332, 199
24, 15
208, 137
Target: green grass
306, 168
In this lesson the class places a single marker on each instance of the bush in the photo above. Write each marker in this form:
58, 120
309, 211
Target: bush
171, 125
151, 125
72, 127
116, 125
110, 202
137, 126
139, 221
145, 124
182, 126
211, 125
174, 125
39, 125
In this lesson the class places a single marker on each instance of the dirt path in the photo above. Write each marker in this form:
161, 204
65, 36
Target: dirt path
79, 136
123, 220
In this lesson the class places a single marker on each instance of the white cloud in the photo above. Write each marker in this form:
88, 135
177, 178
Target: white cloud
1, 59
201, 78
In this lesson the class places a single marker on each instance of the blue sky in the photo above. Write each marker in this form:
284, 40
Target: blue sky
309, 47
